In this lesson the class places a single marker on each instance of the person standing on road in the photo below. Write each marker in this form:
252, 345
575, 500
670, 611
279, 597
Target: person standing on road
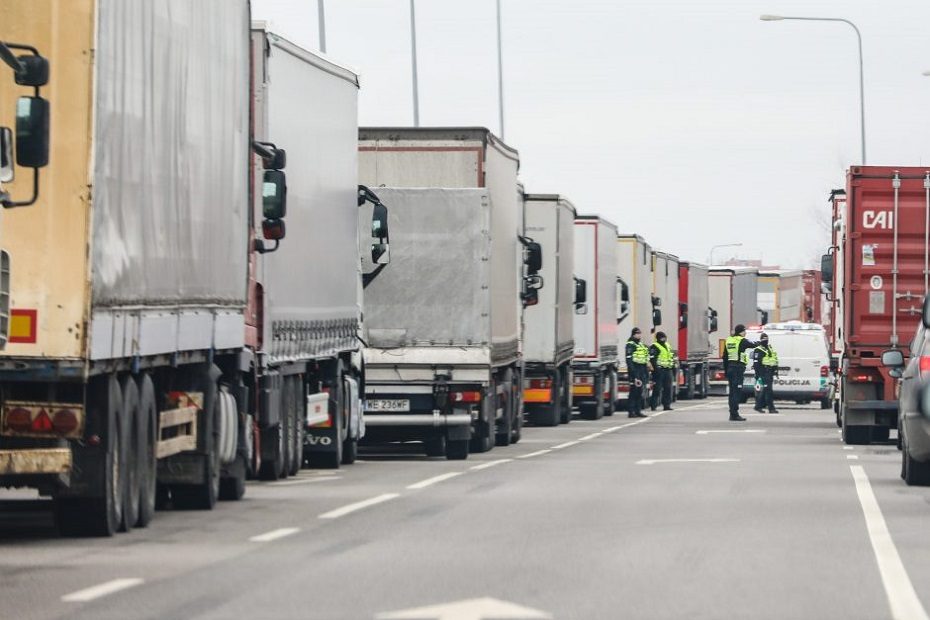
663, 364
734, 365
765, 363
637, 365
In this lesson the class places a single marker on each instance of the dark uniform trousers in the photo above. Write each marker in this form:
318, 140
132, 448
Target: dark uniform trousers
635, 400
735, 372
765, 397
663, 383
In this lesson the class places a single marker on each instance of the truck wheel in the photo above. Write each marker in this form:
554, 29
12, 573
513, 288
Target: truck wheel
516, 391
839, 421
595, 410
915, 472
435, 446
79, 516
337, 401
551, 414
504, 430
825, 403
135, 459
565, 396
483, 436
856, 435
273, 444
705, 377
203, 496
880, 434
296, 427
610, 403
232, 488
457, 449
148, 470
689, 385
349, 450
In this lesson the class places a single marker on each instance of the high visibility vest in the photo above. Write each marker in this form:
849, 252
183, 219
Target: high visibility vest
640, 353
664, 359
732, 347
770, 357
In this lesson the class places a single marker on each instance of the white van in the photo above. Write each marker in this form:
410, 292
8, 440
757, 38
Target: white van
803, 363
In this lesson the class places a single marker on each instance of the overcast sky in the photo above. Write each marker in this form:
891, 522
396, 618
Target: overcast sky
691, 123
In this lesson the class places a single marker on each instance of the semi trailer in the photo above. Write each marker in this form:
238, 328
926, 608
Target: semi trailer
636, 307
877, 272
695, 324
665, 284
595, 363
780, 296
451, 158
548, 338
733, 297
812, 303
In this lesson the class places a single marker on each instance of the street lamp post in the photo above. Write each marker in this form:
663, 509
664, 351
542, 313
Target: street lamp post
710, 257
776, 18
500, 70
413, 58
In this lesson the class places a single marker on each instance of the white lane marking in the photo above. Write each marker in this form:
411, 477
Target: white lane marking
95, 592
350, 508
567, 444
532, 454
742, 430
275, 534
654, 461
591, 436
852, 457
848, 448
490, 464
422, 484
898, 588
311, 480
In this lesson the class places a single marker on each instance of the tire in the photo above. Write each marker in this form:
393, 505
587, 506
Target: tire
516, 431
349, 450
839, 421
856, 435
825, 403
483, 438
899, 440
565, 396
457, 449
915, 473
273, 441
435, 446
295, 428
705, 377
93, 516
148, 471
132, 418
689, 385
880, 434
502, 435
337, 401
287, 414
595, 410
610, 405
203, 496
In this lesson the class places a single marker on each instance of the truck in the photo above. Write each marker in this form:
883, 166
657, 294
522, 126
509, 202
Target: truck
548, 337
665, 275
877, 272
812, 304
449, 158
121, 379
596, 360
832, 293
732, 293
635, 306
780, 296
302, 334
695, 324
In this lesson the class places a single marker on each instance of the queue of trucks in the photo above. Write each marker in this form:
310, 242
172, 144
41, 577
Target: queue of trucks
220, 276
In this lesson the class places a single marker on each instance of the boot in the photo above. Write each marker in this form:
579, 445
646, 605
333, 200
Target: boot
737, 418
666, 409
641, 415
773, 410
758, 409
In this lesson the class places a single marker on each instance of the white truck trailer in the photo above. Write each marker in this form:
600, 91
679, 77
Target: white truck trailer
781, 296
695, 324
665, 277
634, 282
594, 385
548, 332
456, 158
732, 300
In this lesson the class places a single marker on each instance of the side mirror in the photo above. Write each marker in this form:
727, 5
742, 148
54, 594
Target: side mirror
893, 358
656, 317
826, 268
581, 309
656, 302
925, 319
532, 256
581, 291
809, 313
276, 161
34, 71
32, 123
530, 294
273, 230
274, 195
6, 155
380, 248
712, 316
763, 316
682, 315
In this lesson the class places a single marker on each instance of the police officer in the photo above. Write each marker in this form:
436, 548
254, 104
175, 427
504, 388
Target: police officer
765, 363
663, 364
735, 357
637, 364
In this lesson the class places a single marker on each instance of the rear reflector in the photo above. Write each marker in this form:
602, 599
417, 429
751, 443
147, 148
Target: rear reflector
65, 421
924, 365
824, 371
42, 419
466, 397
860, 378
583, 380
720, 375
41, 423
18, 419
537, 395
583, 390
540, 384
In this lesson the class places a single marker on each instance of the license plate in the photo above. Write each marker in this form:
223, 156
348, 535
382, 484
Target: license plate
387, 404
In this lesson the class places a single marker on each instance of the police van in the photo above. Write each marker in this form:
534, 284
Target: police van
803, 363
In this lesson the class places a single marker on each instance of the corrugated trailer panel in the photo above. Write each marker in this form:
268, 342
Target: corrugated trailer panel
879, 313
634, 267
310, 107
665, 278
48, 241
790, 296
693, 287
607, 312
596, 336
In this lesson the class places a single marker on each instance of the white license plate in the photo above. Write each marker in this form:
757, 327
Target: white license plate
387, 404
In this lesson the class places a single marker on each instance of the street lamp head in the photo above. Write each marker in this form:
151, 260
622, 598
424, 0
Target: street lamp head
926, 73
771, 18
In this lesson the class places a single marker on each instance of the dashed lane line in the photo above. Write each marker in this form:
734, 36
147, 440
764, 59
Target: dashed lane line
567, 444
288, 483
898, 587
422, 484
591, 436
104, 589
275, 534
852, 457
489, 464
532, 454
350, 508
658, 461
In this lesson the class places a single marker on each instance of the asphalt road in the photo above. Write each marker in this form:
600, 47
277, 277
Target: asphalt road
664, 518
